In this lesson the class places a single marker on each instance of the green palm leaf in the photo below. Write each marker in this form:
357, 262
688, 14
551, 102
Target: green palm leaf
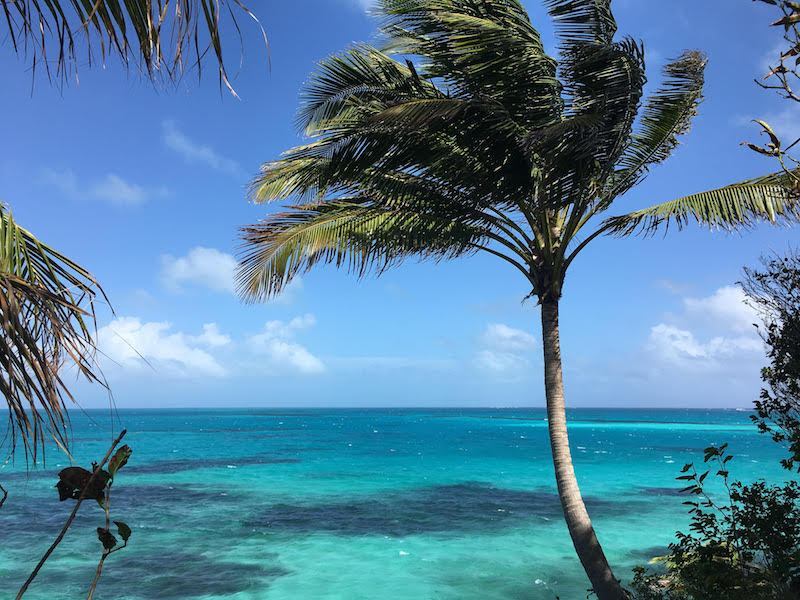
354, 234
362, 80
488, 49
47, 314
164, 35
667, 115
583, 21
765, 199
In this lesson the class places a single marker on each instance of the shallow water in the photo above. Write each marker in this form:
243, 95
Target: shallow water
352, 504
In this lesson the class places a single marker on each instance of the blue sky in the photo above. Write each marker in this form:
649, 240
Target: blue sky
146, 187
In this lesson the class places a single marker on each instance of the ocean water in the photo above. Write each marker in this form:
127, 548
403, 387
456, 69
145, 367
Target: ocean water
362, 504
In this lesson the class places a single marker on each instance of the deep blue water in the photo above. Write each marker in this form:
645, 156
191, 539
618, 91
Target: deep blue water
362, 504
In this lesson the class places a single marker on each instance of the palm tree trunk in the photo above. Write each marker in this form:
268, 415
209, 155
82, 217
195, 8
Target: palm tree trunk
587, 547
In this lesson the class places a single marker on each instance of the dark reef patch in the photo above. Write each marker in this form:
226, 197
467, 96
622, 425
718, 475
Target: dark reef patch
188, 575
458, 508
661, 491
166, 576
191, 464
33, 517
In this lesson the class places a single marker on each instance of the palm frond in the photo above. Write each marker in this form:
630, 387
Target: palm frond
46, 319
604, 85
450, 141
667, 115
583, 21
485, 49
771, 199
350, 233
164, 36
360, 78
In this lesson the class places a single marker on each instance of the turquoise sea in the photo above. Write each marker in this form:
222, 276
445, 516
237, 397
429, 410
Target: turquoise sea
362, 504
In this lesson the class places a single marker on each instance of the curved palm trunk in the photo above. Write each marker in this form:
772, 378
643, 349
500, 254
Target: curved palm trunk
587, 547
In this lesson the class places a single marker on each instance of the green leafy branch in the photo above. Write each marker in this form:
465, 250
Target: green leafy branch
80, 484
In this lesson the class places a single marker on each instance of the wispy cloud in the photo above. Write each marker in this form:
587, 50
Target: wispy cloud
194, 152
506, 351
110, 188
786, 123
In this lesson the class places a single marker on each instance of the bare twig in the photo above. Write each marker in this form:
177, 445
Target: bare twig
106, 551
71, 517
5, 495
97, 574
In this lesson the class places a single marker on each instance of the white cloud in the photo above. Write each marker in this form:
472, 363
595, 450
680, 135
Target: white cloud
501, 363
134, 344
727, 307
205, 267
276, 343
110, 188
507, 338
365, 5
213, 269
116, 190
680, 346
212, 336
770, 59
786, 124
713, 332
194, 152
506, 350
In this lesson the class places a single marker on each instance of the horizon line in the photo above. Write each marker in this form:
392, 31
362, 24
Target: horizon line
437, 407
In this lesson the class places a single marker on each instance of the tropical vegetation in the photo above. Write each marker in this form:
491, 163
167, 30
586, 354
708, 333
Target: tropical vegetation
743, 543
775, 291
461, 134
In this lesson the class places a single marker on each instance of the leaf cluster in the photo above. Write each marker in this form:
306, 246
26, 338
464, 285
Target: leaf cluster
746, 546
774, 290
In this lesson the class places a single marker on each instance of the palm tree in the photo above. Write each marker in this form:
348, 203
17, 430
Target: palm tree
463, 135
47, 301
46, 321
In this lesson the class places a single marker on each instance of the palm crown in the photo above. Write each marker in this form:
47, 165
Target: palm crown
463, 134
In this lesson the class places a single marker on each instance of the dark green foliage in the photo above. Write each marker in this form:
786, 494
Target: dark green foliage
775, 291
106, 538
74, 480
745, 548
123, 530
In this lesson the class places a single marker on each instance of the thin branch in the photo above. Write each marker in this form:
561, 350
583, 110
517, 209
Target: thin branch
5, 495
508, 259
106, 551
600, 231
71, 517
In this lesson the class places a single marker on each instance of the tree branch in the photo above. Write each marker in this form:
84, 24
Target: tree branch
71, 517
